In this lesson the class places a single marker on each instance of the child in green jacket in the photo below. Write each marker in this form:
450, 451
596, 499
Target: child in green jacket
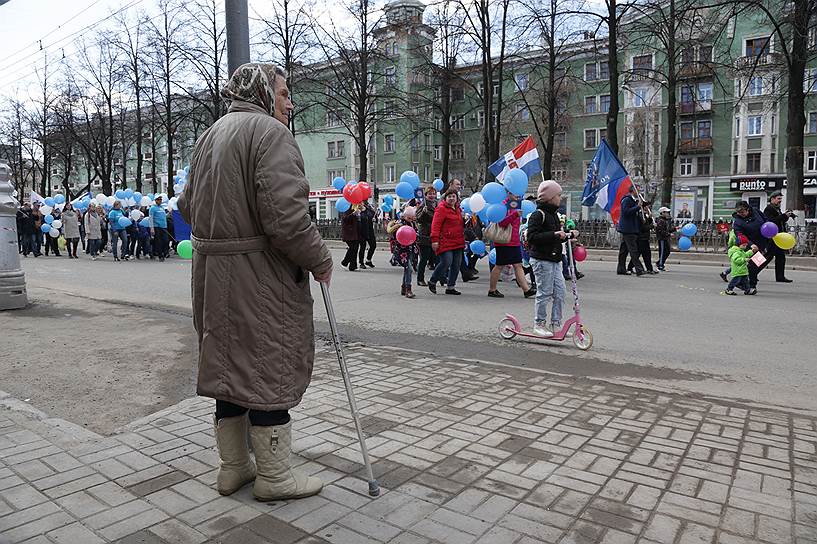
739, 256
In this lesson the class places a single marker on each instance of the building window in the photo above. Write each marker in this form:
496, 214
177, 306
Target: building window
705, 54
737, 127
415, 143
685, 164
752, 163
438, 152
812, 122
388, 170
391, 75
811, 161
523, 112
590, 104
604, 101
810, 80
388, 109
639, 98
341, 148
642, 65
332, 174
590, 72
686, 94
704, 166
687, 130
705, 92
604, 70
426, 142
754, 125
332, 119
426, 172
388, 143
457, 94
559, 174
521, 81
590, 140
457, 151
756, 86
560, 140
481, 118
757, 47
704, 130
459, 123
331, 151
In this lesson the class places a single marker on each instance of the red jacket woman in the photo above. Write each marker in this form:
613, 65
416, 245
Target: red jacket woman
447, 232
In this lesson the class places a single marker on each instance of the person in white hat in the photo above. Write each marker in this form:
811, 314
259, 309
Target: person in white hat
663, 231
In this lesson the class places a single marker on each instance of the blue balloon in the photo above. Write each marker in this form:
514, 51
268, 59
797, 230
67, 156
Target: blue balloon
151, 197
128, 193
48, 218
45, 227
528, 207
494, 193
49, 202
496, 212
120, 194
137, 197
338, 183
124, 222
411, 178
387, 208
438, 184
492, 257
516, 182
466, 205
388, 199
145, 222
59, 199
483, 215
404, 190
342, 205
684, 243
690, 229
176, 179
478, 247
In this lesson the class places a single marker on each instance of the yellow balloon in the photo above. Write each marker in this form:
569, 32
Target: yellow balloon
784, 240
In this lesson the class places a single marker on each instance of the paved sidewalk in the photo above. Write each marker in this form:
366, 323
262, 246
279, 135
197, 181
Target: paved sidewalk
465, 452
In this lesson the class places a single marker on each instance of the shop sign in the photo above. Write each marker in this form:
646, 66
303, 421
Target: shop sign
325, 193
756, 184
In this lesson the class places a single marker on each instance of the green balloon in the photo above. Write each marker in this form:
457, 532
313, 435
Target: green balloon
185, 249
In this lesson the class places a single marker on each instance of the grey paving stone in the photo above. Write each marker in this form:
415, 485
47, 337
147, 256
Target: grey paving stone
115, 515
147, 487
75, 533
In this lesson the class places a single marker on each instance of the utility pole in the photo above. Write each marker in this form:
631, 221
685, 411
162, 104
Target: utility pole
238, 33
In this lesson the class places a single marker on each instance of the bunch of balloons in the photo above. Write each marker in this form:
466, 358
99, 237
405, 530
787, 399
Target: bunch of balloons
687, 231
783, 240
388, 204
409, 182
353, 193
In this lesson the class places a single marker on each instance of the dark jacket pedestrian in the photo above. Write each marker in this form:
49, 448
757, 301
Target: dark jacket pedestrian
350, 233
747, 222
543, 242
368, 238
629, 222
629, 225
779, 218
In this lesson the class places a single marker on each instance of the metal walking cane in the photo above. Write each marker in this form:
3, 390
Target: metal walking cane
374, 487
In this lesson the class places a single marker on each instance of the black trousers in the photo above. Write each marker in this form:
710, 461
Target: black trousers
779, 257
426, 257
259, 418
664, 249
350, 258
629, 246
71, 245
51, 244
372, 243
160, 242
645, 252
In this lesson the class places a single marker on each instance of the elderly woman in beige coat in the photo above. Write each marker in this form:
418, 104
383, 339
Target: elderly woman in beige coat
255, 245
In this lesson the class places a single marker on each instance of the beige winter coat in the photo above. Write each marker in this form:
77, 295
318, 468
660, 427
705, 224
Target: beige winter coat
247, 203
70, 224
93, 226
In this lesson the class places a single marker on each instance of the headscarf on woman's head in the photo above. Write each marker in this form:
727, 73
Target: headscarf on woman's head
254, 83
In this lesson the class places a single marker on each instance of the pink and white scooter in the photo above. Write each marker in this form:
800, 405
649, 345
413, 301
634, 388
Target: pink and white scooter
510, 326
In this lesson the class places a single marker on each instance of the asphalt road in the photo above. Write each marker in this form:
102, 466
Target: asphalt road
674, 330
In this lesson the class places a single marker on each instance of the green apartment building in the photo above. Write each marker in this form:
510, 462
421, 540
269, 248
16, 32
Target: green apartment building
730, 101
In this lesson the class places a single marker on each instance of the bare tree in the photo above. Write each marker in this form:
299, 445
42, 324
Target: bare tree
352, 90
290, 31
166, 66
11, 149
203, 45
40, 117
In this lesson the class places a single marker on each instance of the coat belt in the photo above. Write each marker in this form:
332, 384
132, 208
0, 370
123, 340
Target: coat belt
230, 246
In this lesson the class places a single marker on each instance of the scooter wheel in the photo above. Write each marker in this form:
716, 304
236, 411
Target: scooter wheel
583, 338
507, 330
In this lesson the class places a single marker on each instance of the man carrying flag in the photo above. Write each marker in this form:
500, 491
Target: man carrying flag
525, 156
609, 186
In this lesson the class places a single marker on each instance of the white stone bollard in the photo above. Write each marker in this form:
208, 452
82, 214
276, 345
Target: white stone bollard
12, 279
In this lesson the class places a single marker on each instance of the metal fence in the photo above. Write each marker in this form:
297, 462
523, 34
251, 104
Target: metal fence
602, 234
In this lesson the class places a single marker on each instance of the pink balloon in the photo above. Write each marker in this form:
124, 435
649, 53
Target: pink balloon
579, 253
406, 235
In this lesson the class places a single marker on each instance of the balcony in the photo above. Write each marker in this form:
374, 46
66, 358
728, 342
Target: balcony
694, 70
761, 61
693, 108
695, 145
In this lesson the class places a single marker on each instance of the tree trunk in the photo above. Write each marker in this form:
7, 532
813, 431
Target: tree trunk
668, 163
796, 120
612, 67
139, 158
445, 132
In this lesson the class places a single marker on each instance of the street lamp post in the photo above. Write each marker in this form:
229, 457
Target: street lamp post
238, 33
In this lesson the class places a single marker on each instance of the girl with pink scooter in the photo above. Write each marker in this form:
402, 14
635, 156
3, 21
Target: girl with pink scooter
544, 239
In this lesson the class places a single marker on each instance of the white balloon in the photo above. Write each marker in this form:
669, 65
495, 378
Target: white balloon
145, 201
54, 233
477, 202
109, 200
130, 202
56, 223
100, 198
135, 215
45, 210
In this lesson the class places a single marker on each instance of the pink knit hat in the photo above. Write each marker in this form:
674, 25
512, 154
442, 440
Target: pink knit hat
547, 190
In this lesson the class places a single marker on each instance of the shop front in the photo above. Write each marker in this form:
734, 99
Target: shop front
322, 203
756, 191
692, 200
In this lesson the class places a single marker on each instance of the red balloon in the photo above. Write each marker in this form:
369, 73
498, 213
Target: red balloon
358, 194
406, 235
367, 189
347, 192
579, 253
